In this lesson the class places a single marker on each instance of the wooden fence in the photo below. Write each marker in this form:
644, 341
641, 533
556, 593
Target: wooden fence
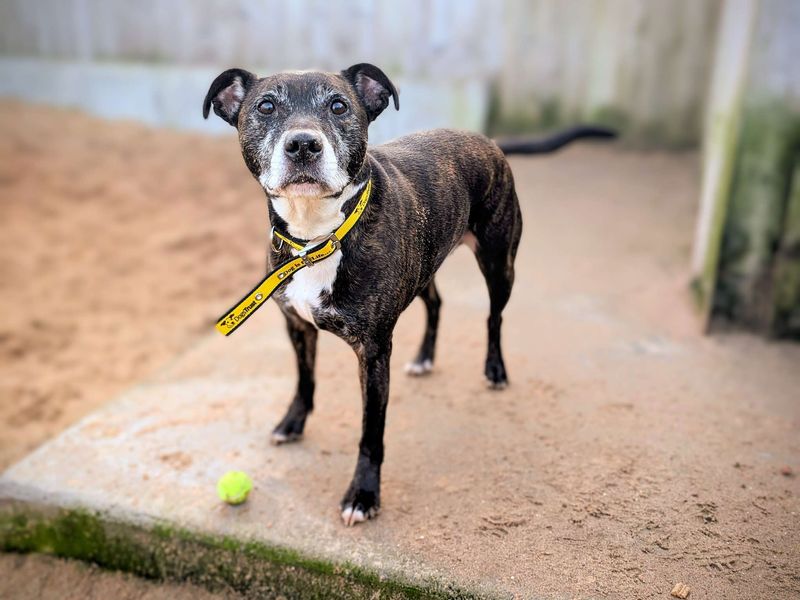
641, 65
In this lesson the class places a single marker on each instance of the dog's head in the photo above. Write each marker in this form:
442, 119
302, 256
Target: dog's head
303, 133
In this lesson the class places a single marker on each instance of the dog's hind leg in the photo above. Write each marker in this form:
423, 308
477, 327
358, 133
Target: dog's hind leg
303, 336
423, 363
498, 239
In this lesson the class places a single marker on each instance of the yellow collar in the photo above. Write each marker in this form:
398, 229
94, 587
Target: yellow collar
306, 257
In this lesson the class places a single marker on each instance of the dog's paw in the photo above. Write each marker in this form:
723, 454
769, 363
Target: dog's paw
496, 385
290, 429
496, 378
419, 368
277, 438
352, 515
359, 506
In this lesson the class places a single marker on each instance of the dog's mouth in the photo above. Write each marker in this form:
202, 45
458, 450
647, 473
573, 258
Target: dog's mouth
303, 185
305, 189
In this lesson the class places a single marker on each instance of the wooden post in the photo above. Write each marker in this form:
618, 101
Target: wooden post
721, 139
786, 290
745, 256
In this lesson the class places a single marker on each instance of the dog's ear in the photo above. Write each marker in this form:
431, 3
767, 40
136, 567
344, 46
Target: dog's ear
226, 94
373, 88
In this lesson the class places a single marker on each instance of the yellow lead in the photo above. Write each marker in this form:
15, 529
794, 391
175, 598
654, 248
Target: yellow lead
237, 315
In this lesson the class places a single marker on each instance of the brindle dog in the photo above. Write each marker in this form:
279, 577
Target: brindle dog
303, 135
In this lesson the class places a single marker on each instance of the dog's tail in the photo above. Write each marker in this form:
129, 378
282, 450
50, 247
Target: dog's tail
555, 141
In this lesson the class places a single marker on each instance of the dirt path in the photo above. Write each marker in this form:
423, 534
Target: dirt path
655, 454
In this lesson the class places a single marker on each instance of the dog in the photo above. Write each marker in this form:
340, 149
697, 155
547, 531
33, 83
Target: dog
303, 136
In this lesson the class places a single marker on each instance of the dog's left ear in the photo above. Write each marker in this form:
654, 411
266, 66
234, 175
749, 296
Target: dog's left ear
373, 87
227, 92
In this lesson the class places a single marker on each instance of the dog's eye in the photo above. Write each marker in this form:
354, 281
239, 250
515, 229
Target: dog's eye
266, 107
338, 107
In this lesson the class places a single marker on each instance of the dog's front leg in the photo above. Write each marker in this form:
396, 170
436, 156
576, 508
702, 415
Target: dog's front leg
303, 336
362, 499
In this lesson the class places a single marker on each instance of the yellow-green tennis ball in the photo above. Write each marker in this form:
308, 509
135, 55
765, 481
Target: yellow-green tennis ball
234, 487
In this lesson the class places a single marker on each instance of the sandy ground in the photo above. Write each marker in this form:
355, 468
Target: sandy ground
84, 204
656, 454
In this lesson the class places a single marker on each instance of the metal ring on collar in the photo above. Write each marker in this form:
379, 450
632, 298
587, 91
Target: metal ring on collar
272, 240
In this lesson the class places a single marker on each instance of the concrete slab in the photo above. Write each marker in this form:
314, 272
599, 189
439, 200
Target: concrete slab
159, 95
629, 453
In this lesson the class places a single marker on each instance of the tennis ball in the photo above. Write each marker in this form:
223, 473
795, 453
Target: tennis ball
234, 487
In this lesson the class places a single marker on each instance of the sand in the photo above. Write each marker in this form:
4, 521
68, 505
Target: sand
84, 311
115, 253
120, 244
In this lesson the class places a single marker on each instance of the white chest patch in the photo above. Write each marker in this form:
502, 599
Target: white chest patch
303, 291
313, 219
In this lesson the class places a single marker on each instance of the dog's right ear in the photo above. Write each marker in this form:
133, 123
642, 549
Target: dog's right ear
227, 93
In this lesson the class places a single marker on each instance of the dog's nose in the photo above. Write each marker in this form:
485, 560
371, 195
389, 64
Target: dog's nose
303, 145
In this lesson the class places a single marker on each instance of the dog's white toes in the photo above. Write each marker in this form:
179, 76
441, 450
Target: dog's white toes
277, 438
415, 369
496, 385
351, 516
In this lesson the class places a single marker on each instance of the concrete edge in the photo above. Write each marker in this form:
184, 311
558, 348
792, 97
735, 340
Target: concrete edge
140, 545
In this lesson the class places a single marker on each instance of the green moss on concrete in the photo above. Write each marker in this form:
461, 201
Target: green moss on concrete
550, 114
611, 116
162, 552
74, 534
530, 115
769, 137
786, 277
512, 123
536, 115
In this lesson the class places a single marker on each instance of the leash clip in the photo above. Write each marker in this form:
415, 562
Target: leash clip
336, 244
